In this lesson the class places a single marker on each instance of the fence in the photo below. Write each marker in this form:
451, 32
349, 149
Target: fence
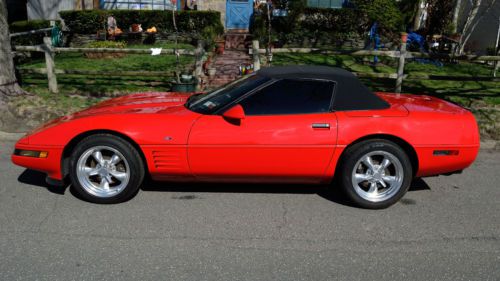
401, 55
52, 72
256, 53
31, 32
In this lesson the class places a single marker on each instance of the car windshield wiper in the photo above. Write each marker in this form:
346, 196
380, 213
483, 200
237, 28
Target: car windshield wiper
191, 99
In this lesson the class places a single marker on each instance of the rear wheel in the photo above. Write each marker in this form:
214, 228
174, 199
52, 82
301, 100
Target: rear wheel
375, 173
106, 169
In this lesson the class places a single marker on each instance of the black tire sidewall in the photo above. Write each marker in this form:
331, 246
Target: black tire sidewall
355, 152
126, 149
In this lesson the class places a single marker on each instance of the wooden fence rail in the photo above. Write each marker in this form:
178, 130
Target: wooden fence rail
103, 50
31, 32
95, 72
392, 54
256, 53
401, 55
52, 72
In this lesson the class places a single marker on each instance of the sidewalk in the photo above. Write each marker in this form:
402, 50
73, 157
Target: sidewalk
10, 136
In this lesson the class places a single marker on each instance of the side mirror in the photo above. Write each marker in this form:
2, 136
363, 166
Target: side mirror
235, 113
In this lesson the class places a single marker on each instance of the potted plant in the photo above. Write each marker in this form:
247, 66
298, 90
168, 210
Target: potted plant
185, 82
404, 37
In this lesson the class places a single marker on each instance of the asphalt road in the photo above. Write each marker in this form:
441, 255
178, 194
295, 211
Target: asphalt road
445, 228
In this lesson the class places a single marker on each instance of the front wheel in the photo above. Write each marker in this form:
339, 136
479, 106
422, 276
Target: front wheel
105, 169
375, 174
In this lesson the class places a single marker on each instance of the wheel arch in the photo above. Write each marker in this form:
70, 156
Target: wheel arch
406, 146
72, 144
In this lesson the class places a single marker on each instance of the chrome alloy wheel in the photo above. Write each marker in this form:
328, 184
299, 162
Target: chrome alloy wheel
377, 176
103, 171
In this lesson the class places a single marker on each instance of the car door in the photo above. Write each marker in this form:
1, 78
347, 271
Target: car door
288, 135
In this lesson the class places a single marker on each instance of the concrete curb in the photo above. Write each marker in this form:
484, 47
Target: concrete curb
485, 145
10, 136
490, 144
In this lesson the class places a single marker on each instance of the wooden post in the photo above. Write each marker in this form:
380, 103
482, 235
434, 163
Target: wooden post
255, 54
198, 70
401, 65
497, 50
50, 65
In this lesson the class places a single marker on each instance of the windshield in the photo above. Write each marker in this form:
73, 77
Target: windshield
220, 97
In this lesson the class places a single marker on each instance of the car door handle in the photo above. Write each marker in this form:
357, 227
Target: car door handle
320, 125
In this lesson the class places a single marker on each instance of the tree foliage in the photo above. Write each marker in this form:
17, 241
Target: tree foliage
385, 12
440, 16
408, 10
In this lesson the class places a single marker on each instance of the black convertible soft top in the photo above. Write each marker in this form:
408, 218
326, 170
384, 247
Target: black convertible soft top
350, 93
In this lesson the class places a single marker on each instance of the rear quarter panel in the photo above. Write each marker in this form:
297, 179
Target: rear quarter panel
440, 126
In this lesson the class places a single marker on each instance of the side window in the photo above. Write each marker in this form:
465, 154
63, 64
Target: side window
289, 96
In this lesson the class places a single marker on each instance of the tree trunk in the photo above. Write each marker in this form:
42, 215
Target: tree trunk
417, 23
471, 22
8, 83
9, 121
456, 15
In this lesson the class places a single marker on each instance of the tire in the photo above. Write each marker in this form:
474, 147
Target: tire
105, 169
366, 183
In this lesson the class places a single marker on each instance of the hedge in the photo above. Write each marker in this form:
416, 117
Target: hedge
90, 21
343, 21
313, 24
331, 26
27, 25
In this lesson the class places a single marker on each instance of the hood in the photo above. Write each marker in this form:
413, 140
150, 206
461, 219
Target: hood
157, 102
138, 103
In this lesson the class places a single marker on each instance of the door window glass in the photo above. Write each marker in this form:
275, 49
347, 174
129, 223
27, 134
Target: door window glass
289, 96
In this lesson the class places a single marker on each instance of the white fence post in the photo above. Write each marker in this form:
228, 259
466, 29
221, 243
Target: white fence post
255, 54
198, 69
50, 65
401, 65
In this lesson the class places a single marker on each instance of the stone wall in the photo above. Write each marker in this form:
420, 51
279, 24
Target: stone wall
214, 5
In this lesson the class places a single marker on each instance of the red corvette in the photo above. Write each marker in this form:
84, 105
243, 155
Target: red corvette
297, 124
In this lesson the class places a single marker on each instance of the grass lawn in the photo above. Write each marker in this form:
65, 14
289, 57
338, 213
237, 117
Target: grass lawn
80, 91
95, 85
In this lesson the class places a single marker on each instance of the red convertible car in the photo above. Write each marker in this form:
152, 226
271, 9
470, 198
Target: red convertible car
296, 124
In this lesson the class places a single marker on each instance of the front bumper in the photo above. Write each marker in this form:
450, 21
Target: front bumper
51, 164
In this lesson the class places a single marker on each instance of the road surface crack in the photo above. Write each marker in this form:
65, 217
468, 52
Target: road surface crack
51, 212
284, 214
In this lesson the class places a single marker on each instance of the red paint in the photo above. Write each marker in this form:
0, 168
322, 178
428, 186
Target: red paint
235, 113
182, 145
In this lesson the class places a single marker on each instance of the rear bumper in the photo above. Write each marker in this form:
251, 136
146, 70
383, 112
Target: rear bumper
50, 165
432, 163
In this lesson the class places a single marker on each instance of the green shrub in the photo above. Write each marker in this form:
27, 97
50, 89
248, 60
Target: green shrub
340, 21
27, 25
331, 26
385, 12
90, 21
106, 44
310, 24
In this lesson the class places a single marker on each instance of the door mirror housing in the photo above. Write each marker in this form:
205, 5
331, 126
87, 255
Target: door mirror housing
235, 113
